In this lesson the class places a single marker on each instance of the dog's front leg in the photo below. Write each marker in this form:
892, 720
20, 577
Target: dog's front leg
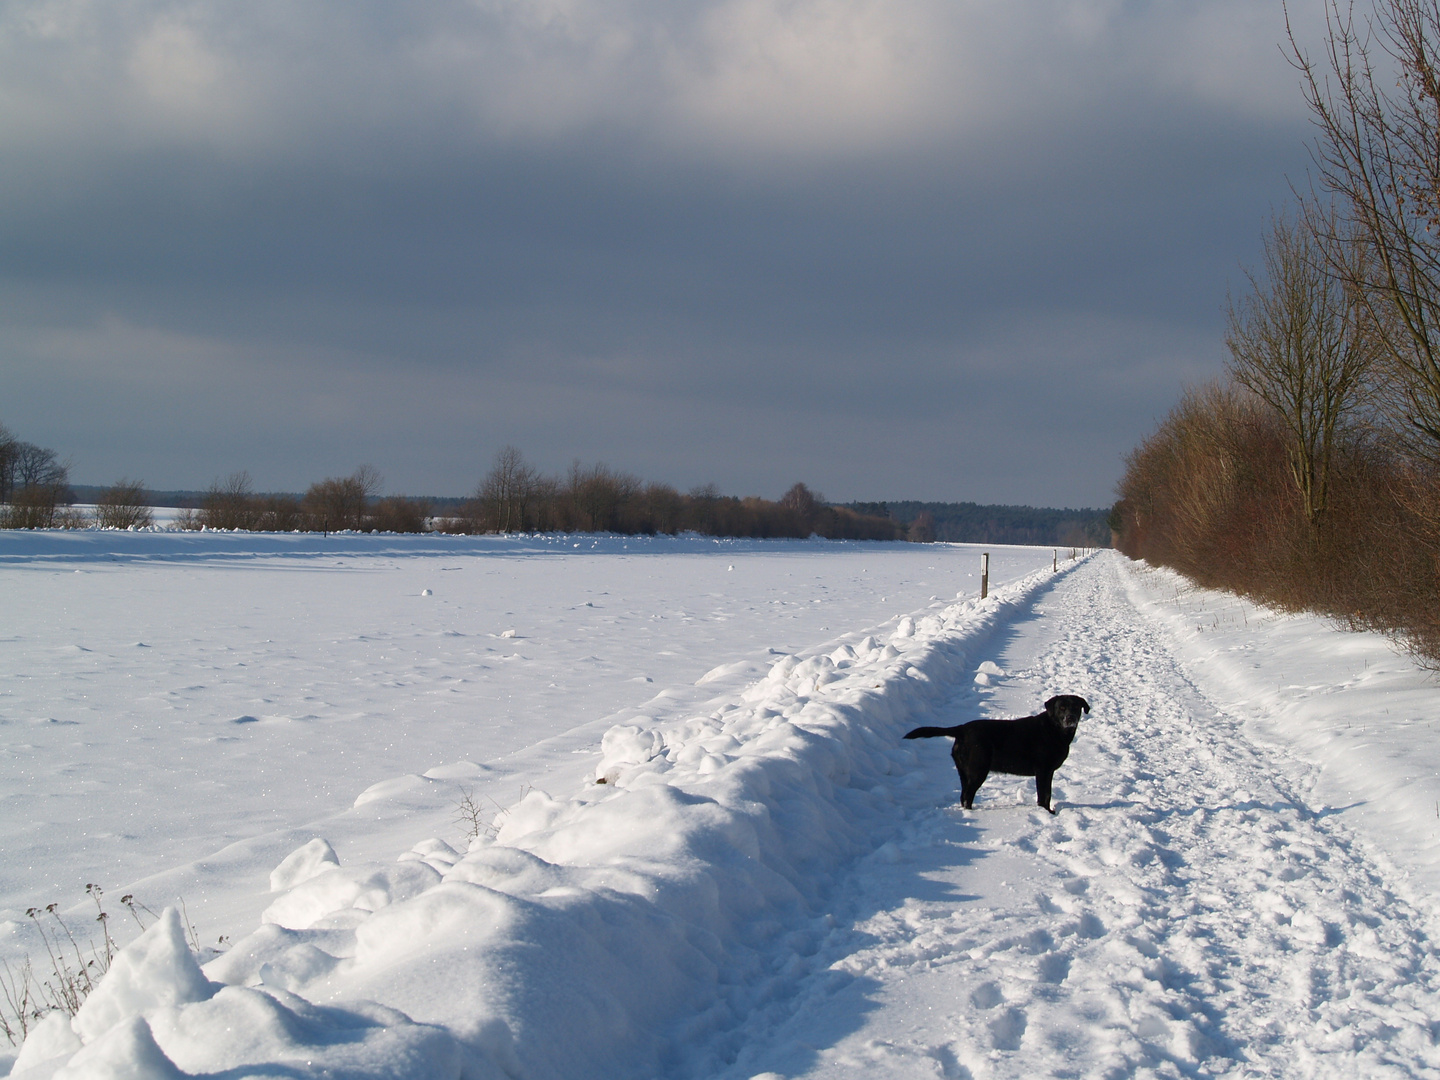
1042, 790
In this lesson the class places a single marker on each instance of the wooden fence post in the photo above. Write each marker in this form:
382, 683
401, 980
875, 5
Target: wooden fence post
984, 575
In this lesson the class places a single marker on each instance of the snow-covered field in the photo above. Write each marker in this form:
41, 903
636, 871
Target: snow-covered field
768, 882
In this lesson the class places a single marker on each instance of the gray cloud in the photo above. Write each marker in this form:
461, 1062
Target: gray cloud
913, 249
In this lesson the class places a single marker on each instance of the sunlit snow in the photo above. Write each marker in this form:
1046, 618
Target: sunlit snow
574, 807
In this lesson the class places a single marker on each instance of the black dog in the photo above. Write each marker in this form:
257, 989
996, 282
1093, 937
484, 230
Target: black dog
1031, 746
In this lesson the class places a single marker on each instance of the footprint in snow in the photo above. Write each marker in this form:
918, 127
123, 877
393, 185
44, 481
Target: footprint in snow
986, 996
1007, 1028
1053, 967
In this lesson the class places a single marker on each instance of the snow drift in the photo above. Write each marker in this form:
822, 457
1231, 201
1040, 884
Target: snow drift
622, 930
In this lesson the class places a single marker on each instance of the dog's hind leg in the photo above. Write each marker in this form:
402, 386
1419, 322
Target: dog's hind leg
1042, 790
969, 785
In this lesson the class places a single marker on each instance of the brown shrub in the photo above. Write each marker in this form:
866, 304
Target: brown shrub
124, 505
338, 503
922, 529
40, 506
281, 513
1211, 494
229, 504
400, 515
662, 509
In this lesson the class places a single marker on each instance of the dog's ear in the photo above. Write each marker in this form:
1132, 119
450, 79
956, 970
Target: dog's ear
1086, 704
1050, 705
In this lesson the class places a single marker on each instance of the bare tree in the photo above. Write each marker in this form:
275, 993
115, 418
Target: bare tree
398, 514
508, 491
279, 513
664, 509
922, 529
229, 504
34, 466
8, 447
701, 511
36, 485
804, 504
547, 503
598, 495
368, 480
341, 502
124, 505
1300, 342
1379, 153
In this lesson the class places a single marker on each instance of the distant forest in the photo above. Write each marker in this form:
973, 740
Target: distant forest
35, 492
975, 523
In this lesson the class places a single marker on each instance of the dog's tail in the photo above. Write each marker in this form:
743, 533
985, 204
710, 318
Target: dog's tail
934, 732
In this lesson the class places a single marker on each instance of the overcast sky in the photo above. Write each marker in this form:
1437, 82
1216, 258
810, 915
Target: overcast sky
933, 249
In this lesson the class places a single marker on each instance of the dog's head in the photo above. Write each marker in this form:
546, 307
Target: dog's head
1066, 709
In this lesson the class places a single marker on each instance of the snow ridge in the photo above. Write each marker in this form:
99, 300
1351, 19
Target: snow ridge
627, 929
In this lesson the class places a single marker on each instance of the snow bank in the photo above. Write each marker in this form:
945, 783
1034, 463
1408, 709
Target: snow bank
621, 930
156, 1016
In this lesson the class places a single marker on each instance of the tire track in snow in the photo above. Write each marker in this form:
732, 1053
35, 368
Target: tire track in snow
1186, 914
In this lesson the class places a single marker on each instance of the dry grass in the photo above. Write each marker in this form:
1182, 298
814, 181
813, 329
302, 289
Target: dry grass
77, 961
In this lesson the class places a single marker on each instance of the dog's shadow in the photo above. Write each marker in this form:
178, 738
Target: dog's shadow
938, 848
923, 875
831, 1004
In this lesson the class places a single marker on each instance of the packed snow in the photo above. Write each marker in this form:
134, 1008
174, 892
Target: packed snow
605, 807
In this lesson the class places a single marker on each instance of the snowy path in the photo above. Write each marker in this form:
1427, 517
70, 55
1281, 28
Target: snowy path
1185, 914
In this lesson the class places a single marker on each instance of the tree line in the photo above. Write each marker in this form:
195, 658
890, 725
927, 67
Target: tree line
516, 497
35, 492
512, 497
335, 504
1309, 478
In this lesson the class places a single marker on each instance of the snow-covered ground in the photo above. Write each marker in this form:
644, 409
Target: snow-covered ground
768, 882
165, 695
